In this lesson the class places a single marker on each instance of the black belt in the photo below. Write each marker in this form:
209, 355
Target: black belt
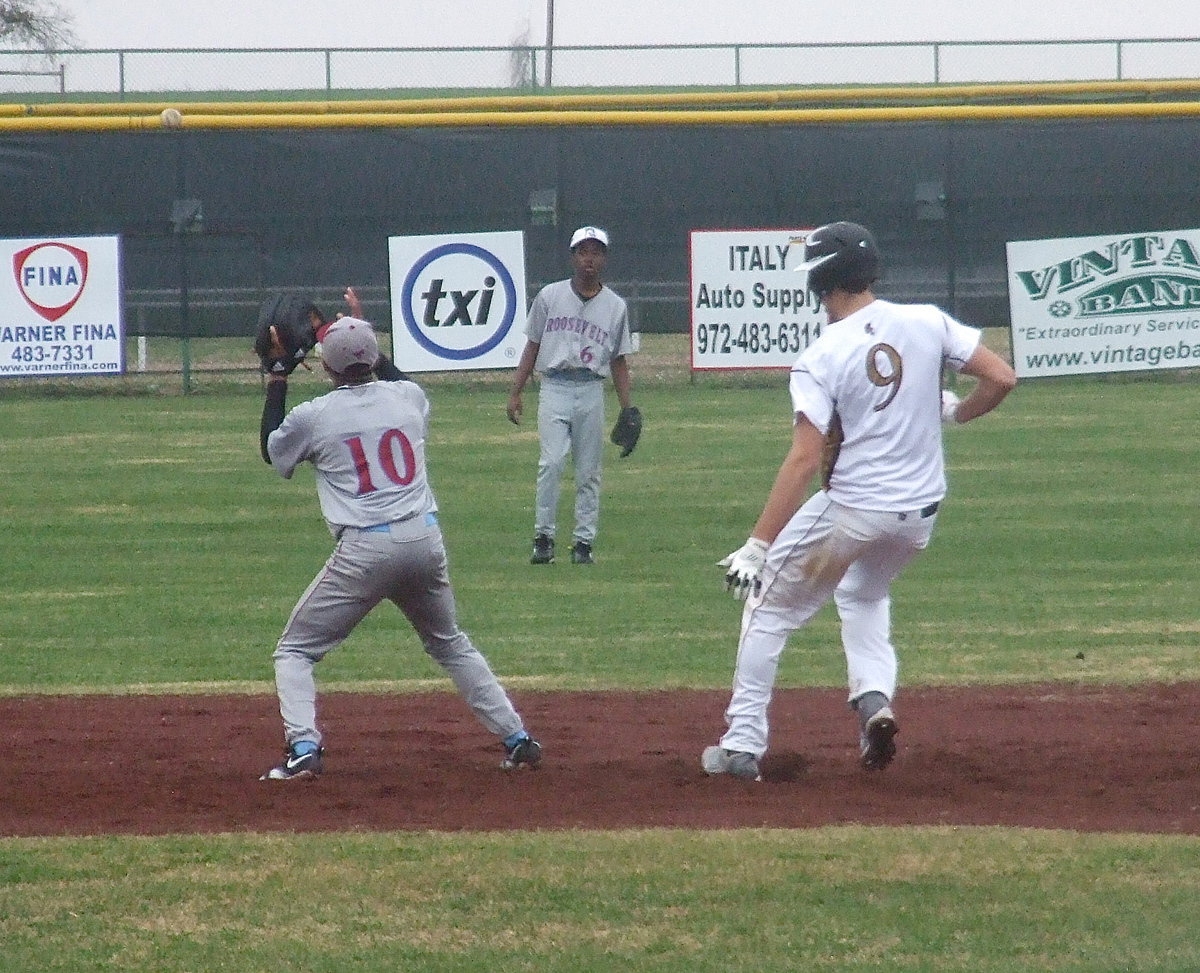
924, 512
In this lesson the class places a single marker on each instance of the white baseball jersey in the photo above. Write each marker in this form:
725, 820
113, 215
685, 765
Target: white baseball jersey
575, 335
880, 370
367, 443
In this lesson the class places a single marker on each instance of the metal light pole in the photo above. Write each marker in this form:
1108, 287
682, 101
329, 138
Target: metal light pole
549, 43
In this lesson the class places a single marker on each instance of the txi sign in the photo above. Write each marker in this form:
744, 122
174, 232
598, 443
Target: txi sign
458, 301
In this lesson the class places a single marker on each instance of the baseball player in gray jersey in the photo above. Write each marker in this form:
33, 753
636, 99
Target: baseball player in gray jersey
867, 409
578, 335
366, 439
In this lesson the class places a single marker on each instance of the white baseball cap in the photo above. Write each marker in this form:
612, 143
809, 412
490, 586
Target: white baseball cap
589, 233
349, 341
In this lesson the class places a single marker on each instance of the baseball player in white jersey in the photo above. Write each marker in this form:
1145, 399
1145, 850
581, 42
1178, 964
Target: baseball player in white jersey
578, 335
366, 439
867, 409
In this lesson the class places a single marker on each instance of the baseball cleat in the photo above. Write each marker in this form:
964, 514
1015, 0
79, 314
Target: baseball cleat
526, 752
581, 553
543, 550
878, 740
297, 766
735, 763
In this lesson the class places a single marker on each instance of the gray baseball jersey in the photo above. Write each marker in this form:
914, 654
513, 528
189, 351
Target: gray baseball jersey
574, 335
367, 443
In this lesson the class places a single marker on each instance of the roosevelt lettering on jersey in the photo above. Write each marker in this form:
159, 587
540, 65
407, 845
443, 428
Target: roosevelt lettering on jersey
578, 326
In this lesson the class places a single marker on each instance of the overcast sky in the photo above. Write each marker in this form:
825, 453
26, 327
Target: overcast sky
442, 23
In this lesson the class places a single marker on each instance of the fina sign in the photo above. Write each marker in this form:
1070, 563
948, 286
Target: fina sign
60, 307
458, 301
1119, 303
750, 309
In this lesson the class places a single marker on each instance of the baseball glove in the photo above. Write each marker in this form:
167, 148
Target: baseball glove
628, 429
286, 332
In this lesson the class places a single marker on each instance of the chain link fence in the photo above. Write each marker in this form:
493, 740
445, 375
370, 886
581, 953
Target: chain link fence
137, 73
302, 209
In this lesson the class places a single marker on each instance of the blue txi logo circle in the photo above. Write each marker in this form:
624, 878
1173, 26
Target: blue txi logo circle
462, 311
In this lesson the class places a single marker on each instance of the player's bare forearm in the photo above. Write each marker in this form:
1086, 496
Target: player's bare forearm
622, 381
525, 366
791, 485
995, 379
524, 370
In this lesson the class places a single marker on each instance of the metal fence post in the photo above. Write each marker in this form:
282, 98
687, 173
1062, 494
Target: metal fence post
549, 43
184, 218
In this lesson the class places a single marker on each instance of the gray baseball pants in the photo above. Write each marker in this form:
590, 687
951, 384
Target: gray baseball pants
404, 562
570, 421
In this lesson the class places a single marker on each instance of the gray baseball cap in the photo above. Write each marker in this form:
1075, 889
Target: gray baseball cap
349, 341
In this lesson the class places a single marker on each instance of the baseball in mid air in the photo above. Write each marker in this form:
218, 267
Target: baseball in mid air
171, 118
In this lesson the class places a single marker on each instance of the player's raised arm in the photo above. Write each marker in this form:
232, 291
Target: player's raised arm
996, 379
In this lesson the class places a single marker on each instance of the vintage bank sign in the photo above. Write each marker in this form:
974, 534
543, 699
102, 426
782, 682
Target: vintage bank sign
1119, 303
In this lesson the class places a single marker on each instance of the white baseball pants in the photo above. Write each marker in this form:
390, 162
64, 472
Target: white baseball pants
826, 550
570, 422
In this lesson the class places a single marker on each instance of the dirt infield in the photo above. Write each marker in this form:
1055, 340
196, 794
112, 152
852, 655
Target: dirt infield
1091, 759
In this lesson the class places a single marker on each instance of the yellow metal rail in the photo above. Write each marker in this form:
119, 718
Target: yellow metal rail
682, 99
519, 119
1017, 102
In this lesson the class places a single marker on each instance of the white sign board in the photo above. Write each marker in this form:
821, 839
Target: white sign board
750, 309
1119, 303
458, 300
60, 307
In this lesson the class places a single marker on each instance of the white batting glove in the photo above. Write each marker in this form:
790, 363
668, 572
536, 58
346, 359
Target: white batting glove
950, 407
745, 568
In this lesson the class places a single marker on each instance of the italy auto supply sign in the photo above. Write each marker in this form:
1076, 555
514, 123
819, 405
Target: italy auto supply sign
60, 307
749, 307
458, 300
1120, 303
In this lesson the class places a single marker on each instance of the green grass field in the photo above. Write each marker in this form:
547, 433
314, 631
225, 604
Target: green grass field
834, 899
148, 548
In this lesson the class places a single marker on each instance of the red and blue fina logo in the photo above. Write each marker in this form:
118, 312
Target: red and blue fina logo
51, 277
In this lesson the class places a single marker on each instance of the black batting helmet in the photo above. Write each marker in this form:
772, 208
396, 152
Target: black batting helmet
840, 255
